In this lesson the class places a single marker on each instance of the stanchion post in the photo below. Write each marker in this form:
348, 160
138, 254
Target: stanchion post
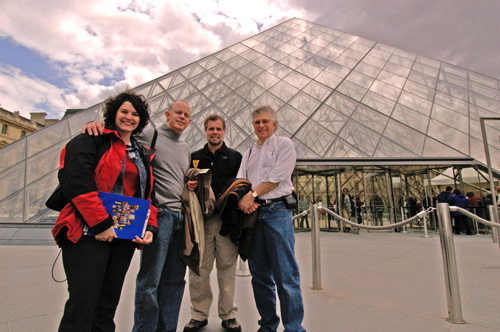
316, 257
475, 223
493, 218
403, 218
450, 265
242, 269
425, 224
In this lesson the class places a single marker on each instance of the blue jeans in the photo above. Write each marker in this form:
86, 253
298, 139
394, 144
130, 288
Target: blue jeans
160, 281
272, 264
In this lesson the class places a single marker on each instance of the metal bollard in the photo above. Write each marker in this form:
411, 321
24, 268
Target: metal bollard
242, 269
403, 218
493, 218
425, 223
316, 259
450, 265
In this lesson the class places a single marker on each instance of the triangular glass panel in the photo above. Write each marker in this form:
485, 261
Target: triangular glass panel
450, 136
365, 115
387, 148
203, 80
434, 148
250, 90
216, 91
284, 90
290, 119
363, 138
209, 62
330, 119
304, 103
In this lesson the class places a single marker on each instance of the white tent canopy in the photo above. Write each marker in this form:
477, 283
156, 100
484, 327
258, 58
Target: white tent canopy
469, 175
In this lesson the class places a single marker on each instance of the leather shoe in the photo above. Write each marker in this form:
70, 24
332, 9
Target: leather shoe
195, 325
262, 330
231, 325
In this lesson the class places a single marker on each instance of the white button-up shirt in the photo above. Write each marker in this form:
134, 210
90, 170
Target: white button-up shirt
274, 162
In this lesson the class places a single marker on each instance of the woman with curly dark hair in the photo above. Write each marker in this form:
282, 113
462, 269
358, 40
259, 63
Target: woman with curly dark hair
115, 163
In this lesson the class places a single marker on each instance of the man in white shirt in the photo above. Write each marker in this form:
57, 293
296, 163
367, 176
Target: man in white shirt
268, 165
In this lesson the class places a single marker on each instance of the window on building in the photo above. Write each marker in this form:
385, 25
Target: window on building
23, 133
4, 129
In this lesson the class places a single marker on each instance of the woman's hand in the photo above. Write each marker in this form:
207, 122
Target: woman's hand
107, 235
147, 239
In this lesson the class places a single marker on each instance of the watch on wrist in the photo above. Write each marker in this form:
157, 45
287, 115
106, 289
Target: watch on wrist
254, 193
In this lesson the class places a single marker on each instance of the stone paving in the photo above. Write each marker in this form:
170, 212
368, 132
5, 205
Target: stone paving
372, 281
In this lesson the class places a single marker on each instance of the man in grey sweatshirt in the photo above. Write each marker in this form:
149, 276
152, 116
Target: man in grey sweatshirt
160, 281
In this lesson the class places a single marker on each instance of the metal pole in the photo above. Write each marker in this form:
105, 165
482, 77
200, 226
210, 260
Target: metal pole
340, 202
316, 259
425, 224
242, 269
475, 223
493, 218
488, 163
403, 218
450, 265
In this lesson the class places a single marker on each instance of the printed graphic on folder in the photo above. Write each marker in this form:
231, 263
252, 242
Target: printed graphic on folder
130, 215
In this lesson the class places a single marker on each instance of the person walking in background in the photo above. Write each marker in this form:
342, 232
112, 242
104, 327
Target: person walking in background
459, 199
359, 209
268, 165
445, 196
303, 206
115, 163
224, 164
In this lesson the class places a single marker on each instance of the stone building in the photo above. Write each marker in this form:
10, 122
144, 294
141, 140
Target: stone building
14, 126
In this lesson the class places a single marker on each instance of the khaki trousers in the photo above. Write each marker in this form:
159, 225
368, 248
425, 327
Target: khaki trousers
220, 249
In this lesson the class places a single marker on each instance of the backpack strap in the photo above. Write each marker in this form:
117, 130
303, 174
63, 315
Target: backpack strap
153, 141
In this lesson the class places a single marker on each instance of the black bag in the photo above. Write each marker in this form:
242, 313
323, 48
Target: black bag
56, 201
290, 201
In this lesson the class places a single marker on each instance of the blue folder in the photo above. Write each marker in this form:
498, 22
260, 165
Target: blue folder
130, 215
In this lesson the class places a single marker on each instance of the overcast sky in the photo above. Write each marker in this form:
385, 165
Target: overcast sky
59, 54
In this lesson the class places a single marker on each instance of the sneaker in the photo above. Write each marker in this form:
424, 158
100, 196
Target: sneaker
195, 325
231, 325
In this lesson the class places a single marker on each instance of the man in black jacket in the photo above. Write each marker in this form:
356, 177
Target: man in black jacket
224, 164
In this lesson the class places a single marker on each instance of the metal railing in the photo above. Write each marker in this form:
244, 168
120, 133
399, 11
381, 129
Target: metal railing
447, 247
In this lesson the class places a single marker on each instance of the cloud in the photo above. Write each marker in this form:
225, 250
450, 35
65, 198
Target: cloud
100, 46
35, 93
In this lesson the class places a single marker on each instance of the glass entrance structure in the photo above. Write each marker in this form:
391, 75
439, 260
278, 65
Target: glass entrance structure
372, 116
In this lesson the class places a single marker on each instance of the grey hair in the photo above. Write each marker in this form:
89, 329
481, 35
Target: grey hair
265, 109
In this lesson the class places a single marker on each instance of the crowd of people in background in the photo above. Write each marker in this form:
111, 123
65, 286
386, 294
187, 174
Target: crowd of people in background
354, 208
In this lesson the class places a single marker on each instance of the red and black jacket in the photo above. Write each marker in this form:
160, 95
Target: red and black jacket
89, 164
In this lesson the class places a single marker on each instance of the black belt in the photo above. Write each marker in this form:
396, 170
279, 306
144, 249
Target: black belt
269, 201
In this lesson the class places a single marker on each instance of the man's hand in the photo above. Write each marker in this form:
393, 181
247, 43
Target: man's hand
192, 184
107, 235
247, 203
147, 239
93, 128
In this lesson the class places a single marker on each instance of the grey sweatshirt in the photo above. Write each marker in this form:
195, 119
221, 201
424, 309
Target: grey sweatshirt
171, 163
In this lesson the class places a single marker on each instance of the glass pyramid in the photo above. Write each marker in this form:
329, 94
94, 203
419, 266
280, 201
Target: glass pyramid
338, 96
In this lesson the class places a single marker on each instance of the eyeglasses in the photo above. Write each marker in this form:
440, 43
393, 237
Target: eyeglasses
258, 122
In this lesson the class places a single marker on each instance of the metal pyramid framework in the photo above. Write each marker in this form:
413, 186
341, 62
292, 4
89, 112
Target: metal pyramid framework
338, 96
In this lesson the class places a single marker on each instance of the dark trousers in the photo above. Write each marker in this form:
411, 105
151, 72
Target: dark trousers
306, 219
95, 274
461, 222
